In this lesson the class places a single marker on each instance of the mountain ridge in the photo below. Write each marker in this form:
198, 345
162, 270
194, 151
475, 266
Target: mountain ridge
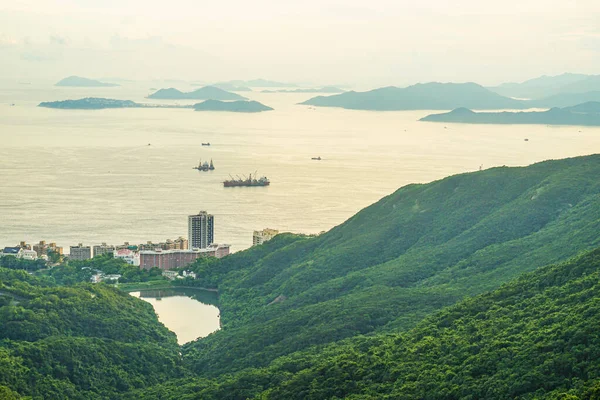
422, 96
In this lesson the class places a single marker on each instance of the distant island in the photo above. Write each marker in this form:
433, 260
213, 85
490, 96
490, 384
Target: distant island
566, 99
428, 96
204, 93
587, 114
97, 103
232, 106
546, 86
326, 89
78, 81
230, 87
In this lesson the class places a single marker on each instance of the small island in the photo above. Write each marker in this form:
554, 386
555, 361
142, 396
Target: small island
98, 103
78, 81
204, 93
89, 103
232, 106
587, 114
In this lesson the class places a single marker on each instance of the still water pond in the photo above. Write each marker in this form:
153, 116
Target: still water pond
190, 313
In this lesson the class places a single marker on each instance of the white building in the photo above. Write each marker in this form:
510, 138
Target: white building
131, 257
29, 254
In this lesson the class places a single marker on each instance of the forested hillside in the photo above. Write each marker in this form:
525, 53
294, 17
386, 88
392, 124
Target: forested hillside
412, 253
81, 342
535, 337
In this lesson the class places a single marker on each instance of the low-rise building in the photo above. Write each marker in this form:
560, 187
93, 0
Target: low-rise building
259, 237
171, 275
16, 251
29, 255
129, 256
80, 252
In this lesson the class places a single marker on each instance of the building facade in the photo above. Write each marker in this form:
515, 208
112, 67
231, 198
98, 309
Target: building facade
103, 249
169, 259
80, 252
259, 237
200, 230
129, 256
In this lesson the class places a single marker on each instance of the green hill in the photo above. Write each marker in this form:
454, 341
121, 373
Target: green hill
81, 342
535, 337
428, 96
412, 253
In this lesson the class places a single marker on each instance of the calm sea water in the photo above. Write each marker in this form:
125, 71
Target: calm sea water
73, 176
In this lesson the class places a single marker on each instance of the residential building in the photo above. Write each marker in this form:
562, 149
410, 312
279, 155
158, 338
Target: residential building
55, 249
80, 252
42, 248
221, 250
259, 237
16, 251
103, 249
169, 259
27, 254
200, 230
181, 243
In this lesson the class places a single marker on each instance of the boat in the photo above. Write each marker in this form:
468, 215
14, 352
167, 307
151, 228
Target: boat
206, 144
204, 166
250, 181
316, 158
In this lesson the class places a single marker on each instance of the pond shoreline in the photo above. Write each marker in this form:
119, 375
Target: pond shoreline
136, 287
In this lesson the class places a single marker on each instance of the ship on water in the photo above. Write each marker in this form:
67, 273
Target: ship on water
250, 181
205, 166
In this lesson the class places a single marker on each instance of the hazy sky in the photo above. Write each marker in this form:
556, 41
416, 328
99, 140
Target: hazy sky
366, 43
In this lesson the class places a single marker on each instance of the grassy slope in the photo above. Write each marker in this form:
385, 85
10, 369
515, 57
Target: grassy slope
420, 249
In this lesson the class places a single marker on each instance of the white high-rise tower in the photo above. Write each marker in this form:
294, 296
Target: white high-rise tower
200, 230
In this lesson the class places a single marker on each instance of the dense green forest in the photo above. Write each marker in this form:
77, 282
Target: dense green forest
412, 253
79, 342
535, 337
428, 293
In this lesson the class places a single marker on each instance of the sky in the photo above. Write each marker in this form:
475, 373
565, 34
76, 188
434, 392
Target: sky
319, 42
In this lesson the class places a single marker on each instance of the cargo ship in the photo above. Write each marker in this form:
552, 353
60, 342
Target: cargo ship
250, 181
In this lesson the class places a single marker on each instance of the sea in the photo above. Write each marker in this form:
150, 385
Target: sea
125, 175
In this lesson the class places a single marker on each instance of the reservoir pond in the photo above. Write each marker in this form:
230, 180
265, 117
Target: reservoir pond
189, 313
